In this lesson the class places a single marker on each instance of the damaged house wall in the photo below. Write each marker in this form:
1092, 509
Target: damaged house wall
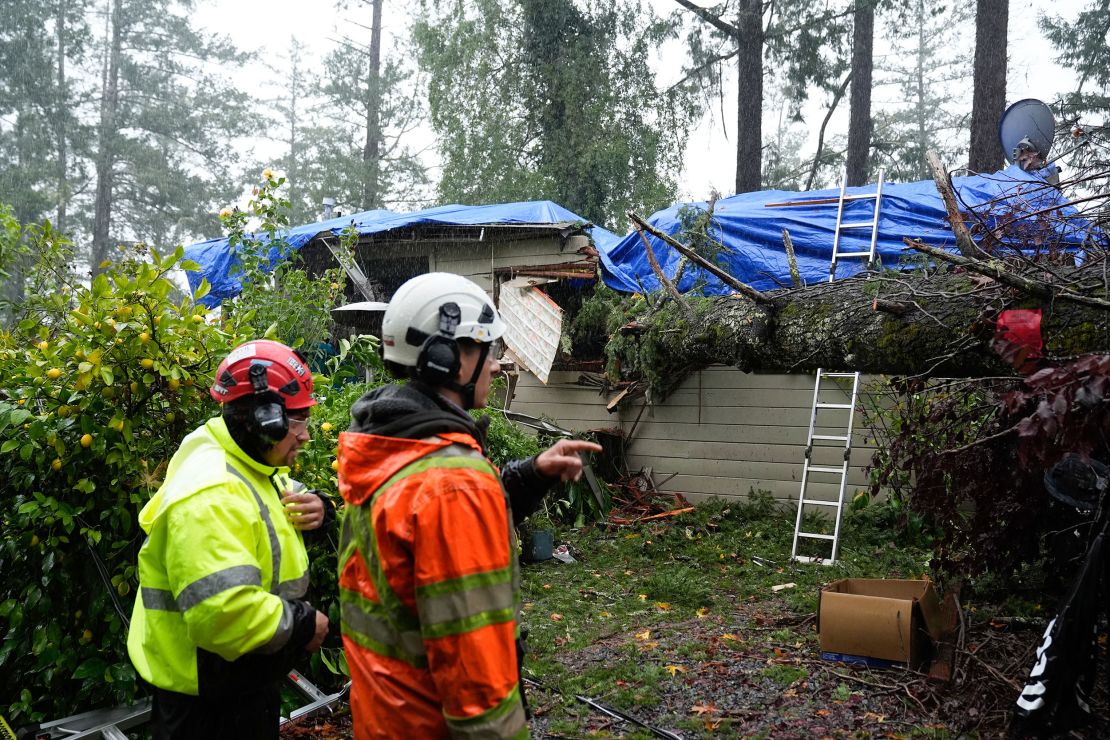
722, 433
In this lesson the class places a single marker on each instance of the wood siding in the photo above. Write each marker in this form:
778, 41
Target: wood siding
477, 261
723, 433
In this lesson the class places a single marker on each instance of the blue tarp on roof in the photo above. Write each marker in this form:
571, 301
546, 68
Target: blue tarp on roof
751, 232
217, 262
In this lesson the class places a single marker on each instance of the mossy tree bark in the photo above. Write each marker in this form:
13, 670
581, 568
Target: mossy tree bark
941, 325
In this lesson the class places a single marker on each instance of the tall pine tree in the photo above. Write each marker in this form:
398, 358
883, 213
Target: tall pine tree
552, 100
168, 118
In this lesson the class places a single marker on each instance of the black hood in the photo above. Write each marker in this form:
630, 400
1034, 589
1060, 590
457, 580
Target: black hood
412, 411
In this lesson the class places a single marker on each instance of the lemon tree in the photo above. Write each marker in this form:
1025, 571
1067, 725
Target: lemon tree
102, 381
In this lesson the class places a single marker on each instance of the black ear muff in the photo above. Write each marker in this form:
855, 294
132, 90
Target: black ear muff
272, 422
269, 415
438, 362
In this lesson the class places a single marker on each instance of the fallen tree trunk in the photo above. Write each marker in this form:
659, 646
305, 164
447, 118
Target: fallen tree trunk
910, 324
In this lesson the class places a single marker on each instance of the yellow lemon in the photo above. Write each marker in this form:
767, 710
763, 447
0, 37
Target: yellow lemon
53, 373
86, 636
57, 464
326, 426
147, 363
86, 440
171, 417
44, 345
34, 540
335, 465
144, 337
134, 387
173, 384
197, 318
118, 426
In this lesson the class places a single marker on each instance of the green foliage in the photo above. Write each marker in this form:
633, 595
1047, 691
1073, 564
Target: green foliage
1081, 46
593, 322
927, 63
11, 245
534, 100
279, 299
101, 383
506, 441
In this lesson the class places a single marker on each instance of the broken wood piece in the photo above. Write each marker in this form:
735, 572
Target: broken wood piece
783, 587
788, 243
1032, 287
665, 514
966, 244
897, 308
700, 261
615, 401
663, 279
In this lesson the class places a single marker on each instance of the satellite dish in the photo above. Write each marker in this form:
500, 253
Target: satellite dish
1026, 125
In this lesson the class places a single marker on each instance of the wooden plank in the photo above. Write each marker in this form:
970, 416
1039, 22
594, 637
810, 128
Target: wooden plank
749, 451
738, 487
734, 416
751, 398
746, 433
741, 470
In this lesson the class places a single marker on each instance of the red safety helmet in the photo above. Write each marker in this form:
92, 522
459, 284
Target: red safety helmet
261, 366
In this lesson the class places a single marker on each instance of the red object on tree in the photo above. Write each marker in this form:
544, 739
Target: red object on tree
1018, 331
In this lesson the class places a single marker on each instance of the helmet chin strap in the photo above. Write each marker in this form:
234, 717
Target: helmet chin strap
467, 390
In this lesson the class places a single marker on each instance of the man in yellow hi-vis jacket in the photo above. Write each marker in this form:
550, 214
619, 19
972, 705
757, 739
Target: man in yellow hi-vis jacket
220, 614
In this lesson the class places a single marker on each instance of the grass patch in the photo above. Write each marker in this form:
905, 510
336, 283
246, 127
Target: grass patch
651, 611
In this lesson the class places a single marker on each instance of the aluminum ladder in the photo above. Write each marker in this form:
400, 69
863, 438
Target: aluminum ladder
842, 470
109, 724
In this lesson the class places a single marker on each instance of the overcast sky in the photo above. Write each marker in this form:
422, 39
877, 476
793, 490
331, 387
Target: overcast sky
269, 24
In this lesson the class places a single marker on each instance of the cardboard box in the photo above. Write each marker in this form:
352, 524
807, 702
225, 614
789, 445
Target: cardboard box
876, 618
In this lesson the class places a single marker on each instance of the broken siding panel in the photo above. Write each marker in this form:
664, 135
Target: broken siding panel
478, 260
747, 431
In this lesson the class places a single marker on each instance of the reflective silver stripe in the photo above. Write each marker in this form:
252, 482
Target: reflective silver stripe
506, 720
158, 599
379, 629
234, 577
275, 546
462, 604
294, 589
284, 631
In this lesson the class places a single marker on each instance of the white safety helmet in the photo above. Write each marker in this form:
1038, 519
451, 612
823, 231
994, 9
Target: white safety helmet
428, 313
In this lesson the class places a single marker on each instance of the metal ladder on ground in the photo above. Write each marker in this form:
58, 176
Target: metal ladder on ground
109, 724
808, 467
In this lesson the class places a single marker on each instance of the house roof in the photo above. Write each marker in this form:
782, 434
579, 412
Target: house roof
218, 261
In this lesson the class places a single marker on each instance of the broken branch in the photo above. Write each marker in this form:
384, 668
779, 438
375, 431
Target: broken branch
1032, 287
944, 186
659, 271
697, 259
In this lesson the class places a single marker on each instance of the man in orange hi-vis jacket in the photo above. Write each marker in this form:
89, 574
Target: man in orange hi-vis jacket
428, 575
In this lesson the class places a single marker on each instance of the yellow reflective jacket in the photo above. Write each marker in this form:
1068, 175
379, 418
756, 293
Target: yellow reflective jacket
221, 573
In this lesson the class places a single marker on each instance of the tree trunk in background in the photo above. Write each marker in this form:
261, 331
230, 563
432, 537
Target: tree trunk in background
989, 100
105, 154
834, 326
371, 152
749, 96
60, 117
859, 124
920, 112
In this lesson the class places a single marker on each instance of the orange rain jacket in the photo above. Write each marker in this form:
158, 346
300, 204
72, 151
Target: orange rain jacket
428, 574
